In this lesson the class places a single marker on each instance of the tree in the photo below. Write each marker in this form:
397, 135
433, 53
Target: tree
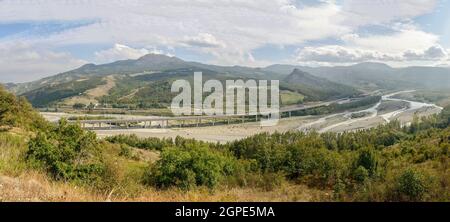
190, 167
411, 185
368, 159
79, 106
67, 152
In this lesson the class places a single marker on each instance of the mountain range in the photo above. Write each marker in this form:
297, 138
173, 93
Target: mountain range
146, 82
376, 75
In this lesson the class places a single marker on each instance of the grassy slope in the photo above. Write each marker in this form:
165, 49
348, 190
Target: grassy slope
22, 181
152, 89
426, 150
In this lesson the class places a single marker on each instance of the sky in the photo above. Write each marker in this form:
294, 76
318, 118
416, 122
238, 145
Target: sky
40, 38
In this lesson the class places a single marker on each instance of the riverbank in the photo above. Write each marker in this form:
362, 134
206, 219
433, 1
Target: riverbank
380, 113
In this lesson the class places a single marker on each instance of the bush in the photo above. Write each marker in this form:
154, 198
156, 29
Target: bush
141, 143
17, 112
125, 151
315, 164
360, 174
68, 153
190, 167
368, 159
411, 186
79, 106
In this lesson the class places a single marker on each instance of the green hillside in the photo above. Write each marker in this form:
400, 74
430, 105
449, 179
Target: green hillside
145, 82
387, 163
374, 76
316, 88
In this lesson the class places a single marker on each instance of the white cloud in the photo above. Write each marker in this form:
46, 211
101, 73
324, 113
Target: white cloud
229, 30
21, 62
401, 40
362, 12
335, 54
433, 53
203, 40
230, 26
405, 43
340, 54
123, 52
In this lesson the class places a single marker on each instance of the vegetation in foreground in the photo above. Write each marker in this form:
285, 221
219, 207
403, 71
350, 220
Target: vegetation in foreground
388, 163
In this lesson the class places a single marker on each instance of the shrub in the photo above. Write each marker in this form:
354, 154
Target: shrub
68, 153
79, 106
368, 159
125, 151
361, 174
142, 143
411, 185
17, 112
190, 167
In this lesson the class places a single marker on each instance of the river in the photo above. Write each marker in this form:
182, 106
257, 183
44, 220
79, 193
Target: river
370, 113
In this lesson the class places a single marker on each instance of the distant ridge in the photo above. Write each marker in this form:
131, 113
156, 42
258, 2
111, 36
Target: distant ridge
145, 82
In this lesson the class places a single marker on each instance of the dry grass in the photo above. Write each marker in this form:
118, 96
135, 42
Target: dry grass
91, 95
21, 182
36, 187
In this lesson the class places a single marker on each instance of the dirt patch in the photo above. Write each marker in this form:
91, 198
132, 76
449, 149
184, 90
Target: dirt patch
131, 95
91, 95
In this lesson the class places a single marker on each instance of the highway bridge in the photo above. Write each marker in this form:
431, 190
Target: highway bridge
190, 121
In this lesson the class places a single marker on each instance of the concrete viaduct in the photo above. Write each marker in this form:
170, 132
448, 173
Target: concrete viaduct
187, 121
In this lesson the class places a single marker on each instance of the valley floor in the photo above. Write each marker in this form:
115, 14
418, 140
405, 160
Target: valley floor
387, 110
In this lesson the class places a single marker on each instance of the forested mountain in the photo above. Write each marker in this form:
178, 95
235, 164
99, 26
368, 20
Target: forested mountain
376, 75
321, 88
145, 82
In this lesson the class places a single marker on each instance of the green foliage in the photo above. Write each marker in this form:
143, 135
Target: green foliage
378, 164
444, 117
142, 143
368, 160
68, 152
49, 94
17, 112
195, 165
361, 174
316, 88
412, 185
125, 151
79, 106
291, 98
12, 148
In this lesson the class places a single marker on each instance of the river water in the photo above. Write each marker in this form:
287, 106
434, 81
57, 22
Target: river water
370, 113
